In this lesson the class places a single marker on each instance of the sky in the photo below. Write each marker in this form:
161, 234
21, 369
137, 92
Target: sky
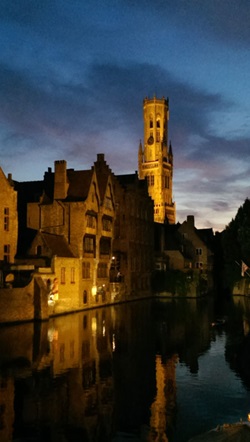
74, 73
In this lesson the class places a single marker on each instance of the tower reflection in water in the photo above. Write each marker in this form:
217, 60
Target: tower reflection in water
98, 375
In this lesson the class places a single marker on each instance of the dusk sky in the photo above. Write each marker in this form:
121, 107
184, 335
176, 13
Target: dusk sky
74, 74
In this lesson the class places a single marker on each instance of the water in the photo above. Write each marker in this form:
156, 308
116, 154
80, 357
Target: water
142, 371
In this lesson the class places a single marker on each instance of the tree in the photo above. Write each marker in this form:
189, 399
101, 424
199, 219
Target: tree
236, 244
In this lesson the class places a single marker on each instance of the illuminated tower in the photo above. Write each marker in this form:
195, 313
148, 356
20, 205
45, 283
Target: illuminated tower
155, 159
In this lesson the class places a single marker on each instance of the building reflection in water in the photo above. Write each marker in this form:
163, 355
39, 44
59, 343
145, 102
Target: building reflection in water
164, 406
94, 375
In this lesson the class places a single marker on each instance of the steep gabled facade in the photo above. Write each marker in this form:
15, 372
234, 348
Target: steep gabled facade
106, 222
197, 245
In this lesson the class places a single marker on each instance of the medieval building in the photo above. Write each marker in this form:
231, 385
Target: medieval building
155, 159
8, 226
89, 230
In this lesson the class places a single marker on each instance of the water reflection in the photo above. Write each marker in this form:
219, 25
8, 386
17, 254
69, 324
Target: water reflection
144, 371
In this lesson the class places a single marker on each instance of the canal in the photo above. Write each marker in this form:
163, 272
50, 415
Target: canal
163, 370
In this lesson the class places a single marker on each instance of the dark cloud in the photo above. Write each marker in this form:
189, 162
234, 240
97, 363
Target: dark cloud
226, 20
74, 76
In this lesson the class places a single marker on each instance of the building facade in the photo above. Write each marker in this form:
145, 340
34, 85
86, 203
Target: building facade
90, 230
8, 220
155, 159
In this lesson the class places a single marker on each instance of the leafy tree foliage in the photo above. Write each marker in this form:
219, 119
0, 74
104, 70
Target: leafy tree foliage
236, 244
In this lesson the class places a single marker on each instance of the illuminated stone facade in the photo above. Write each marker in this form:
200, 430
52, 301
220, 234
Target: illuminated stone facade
9, 224
94, 232
155, 159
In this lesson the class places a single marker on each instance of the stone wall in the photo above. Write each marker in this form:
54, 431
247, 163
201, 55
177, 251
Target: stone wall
25, 303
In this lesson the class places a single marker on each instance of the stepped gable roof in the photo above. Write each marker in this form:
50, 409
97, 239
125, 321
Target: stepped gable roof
79, 184
102, 179
103, 172
57, 245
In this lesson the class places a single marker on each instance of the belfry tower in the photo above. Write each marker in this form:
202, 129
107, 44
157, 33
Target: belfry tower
155, 158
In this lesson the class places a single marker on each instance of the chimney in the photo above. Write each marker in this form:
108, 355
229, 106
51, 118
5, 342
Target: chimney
190, 220
60, 180
100, 157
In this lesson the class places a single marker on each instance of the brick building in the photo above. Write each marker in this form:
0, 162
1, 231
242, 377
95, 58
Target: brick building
106, 221
9, 224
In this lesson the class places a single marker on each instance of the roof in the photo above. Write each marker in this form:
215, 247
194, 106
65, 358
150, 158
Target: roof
57, 245
79, 183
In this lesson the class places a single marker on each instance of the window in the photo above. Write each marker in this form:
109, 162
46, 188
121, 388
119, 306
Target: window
72, 275
166, 182
158, 123
6, 253
6, 219
150, 180
151, 125
102, 270
85, 301
108, 202
199, 265
106, 224
85, 270
91, 221
105, 246
199, 251
89, 244
63, 275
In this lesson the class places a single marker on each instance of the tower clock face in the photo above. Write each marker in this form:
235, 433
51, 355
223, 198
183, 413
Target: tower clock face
150, 140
